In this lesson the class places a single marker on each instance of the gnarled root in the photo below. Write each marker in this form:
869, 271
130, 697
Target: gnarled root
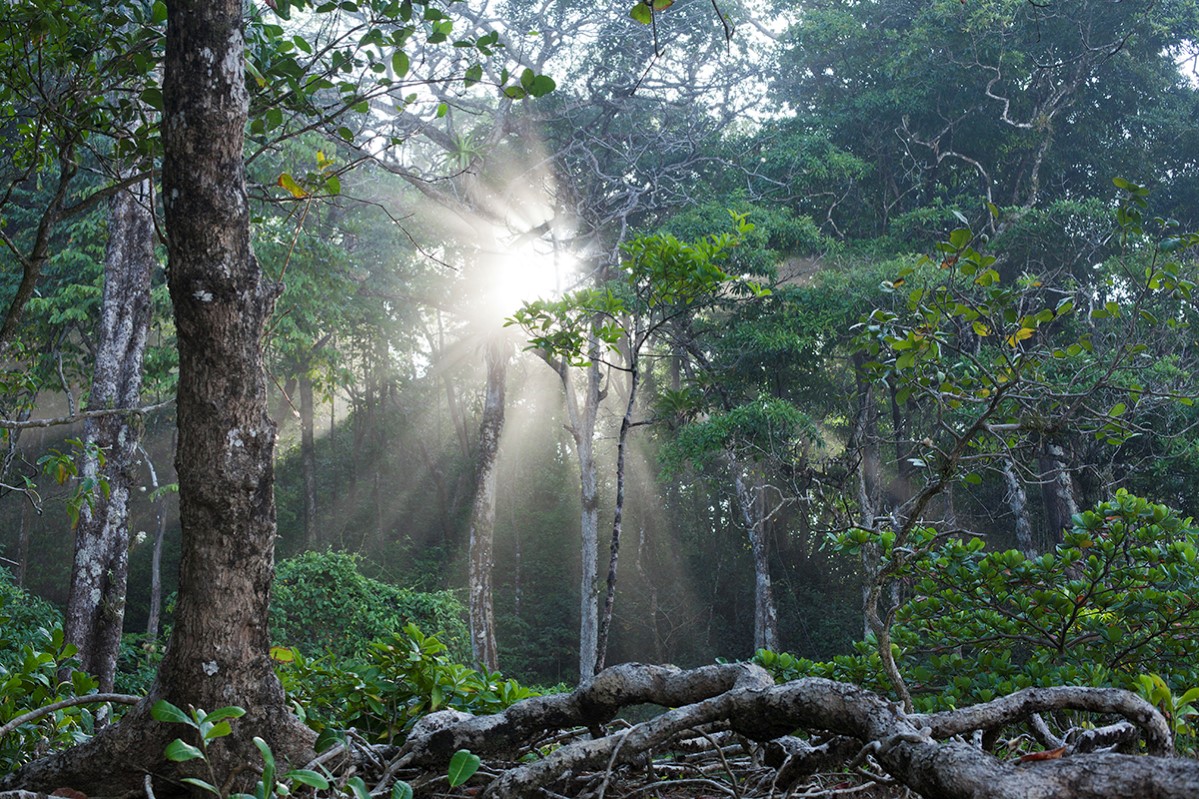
924, 752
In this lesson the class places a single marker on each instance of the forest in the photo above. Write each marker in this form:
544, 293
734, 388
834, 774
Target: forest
678, 398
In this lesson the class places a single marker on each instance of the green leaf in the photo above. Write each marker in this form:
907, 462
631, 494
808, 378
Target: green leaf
442, 110
317, 780
221, 713
474, 73
358, 787
152, 96
463, 765
207, 786
642, 13
219, 730
165, 711
401, 790
179, 751
542, 85
400, 63
514, 92
286, 181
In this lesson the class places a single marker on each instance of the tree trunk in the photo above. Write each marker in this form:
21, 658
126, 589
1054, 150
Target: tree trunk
1017, 501
154, 617
308, 457
217, 655
626, 422
26, 532
1057, 491
582, 414
96, 604
482, 520
765, 612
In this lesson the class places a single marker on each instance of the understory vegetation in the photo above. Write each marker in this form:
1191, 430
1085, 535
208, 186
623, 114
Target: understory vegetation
390, 388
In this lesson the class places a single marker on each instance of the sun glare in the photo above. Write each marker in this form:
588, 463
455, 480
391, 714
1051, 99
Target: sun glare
526, 272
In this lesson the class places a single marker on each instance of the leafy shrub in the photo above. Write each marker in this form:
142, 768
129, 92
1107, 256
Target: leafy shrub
403, 677
1118, 599
24, 619
322, 602
32, 655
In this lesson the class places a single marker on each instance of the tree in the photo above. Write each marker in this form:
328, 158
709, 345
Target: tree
217, 655
660, 282
96, 606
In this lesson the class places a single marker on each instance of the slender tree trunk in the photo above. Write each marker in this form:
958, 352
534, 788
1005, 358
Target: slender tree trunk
308, 458
626, 423
154, 617
96, 604
1057, 491
765, 611
23, 537
1017, 500
482, 522
582, 413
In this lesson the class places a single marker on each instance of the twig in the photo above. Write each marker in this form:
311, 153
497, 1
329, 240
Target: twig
612, 762
15, 424
90, 699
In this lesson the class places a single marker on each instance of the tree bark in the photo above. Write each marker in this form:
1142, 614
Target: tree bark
308, 457
626, 423
1057, 491
217, 655
1017, 500
482, 520
96, 603
765, 611
582, 413
917, 750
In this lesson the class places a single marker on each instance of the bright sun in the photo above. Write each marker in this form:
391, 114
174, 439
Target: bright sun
525, 272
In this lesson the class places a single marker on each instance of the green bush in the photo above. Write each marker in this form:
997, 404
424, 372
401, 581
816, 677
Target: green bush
403, 677
323, 603
1119, 599
32, 655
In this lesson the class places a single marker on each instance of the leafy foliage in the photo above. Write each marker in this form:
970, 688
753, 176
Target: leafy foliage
401, 678
322, 602
32, 655
1118, 600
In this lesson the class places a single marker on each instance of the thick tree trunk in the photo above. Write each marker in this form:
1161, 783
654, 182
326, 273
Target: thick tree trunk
626, 423
96, 604
217, 655
308, 458
482, 521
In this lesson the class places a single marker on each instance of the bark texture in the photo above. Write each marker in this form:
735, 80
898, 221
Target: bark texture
96, 604
765, 610
218, 651
582, 413
742, 699
482, 520
622, 446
